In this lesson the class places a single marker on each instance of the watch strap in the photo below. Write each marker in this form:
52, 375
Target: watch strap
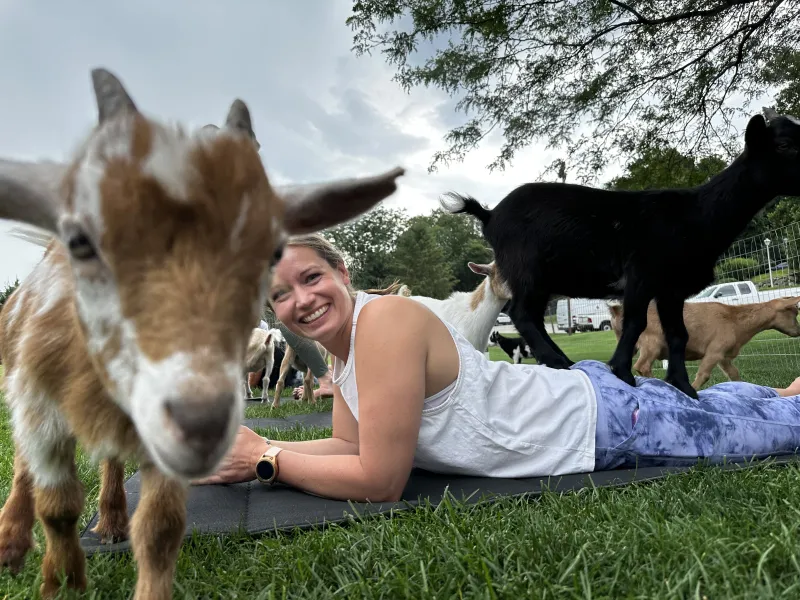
273, 451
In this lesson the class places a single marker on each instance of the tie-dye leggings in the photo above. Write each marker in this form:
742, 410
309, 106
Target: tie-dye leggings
654, 424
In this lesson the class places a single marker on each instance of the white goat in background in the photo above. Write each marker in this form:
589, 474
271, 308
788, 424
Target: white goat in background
260, 355
473, 314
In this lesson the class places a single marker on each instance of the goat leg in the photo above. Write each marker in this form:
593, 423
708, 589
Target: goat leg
726, 364
634, 308
525, 317
17, 519
704, 370
112, 525
288, 359
644, 364
308, 387
157, 530
264, 389
59, 500
670, 312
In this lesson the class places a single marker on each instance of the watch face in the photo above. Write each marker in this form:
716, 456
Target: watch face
264, 469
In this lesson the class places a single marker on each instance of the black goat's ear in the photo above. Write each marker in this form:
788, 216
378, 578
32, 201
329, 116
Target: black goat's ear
756, 136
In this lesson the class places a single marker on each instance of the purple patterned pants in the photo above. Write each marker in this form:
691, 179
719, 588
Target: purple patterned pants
654, 424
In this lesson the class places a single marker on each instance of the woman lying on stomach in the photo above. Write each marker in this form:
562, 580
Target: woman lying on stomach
409, 391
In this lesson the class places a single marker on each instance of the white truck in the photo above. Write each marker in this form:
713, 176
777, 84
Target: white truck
741, 292
588, 314
593, 315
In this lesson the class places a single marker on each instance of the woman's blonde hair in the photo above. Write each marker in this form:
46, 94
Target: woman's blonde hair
331, 255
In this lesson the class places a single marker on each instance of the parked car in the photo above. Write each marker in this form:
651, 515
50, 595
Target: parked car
503, 319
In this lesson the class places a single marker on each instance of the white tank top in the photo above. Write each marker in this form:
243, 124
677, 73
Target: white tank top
496, 419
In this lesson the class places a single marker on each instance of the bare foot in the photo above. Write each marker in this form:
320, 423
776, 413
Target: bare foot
792, 390
325, 387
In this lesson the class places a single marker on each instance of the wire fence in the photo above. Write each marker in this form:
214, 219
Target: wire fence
754, 270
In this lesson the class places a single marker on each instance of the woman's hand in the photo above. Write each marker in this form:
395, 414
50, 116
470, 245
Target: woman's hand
239, 464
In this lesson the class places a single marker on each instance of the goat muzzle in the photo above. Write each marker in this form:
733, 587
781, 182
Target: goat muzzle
200, 422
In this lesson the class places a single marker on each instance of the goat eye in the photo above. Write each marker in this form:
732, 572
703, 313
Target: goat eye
81, 247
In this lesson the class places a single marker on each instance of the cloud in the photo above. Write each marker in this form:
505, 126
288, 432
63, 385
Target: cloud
318, 110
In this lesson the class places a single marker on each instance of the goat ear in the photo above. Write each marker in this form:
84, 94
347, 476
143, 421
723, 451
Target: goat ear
311, 208
756, 136
239, 119
112, 99
480, 269
769, 113
29, 193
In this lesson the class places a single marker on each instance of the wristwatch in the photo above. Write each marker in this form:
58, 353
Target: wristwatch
267, 465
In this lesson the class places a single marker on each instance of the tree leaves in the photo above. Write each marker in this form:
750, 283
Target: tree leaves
593, 78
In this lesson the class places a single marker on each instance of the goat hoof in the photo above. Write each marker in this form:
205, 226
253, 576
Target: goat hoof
51, 588
14, 547
557, 362
111, 533
624, 375
12, 556
684, 386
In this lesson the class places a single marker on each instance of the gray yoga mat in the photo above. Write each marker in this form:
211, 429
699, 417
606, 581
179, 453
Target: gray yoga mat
314, 419
256, 509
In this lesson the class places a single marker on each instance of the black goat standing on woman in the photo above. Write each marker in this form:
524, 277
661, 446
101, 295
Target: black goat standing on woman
573, 240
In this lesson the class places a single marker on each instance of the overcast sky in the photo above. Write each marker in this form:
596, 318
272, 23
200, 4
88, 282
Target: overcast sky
319, 111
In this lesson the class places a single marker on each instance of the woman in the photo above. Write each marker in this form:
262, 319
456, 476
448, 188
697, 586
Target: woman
425, 397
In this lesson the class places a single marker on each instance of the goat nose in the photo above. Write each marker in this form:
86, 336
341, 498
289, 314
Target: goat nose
202, 421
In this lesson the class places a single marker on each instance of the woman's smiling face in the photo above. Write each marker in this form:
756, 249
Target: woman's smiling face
309, 296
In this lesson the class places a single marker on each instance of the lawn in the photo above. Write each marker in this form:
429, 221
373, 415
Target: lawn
706, 534
770, 358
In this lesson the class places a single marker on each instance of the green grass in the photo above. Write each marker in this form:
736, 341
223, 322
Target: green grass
705, 534
753, 362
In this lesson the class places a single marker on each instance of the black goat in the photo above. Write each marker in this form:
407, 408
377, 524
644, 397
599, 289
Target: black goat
572, 240
516, 348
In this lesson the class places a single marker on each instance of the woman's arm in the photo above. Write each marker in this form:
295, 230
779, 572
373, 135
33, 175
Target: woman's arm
391, 353
345, 433
240, 462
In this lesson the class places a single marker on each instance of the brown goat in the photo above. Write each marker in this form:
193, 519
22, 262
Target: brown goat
129, 336
717, 333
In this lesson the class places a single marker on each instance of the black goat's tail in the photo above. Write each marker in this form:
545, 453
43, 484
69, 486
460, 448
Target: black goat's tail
456, 203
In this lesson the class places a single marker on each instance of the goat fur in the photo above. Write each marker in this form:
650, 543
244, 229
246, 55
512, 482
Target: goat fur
717, 333
473, 314
260, 355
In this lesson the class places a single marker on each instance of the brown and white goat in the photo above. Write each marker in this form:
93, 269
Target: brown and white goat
129, 336
260, 355
473, 314
717, 333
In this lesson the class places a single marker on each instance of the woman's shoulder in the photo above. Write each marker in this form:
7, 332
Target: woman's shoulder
391, 311
391, 304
